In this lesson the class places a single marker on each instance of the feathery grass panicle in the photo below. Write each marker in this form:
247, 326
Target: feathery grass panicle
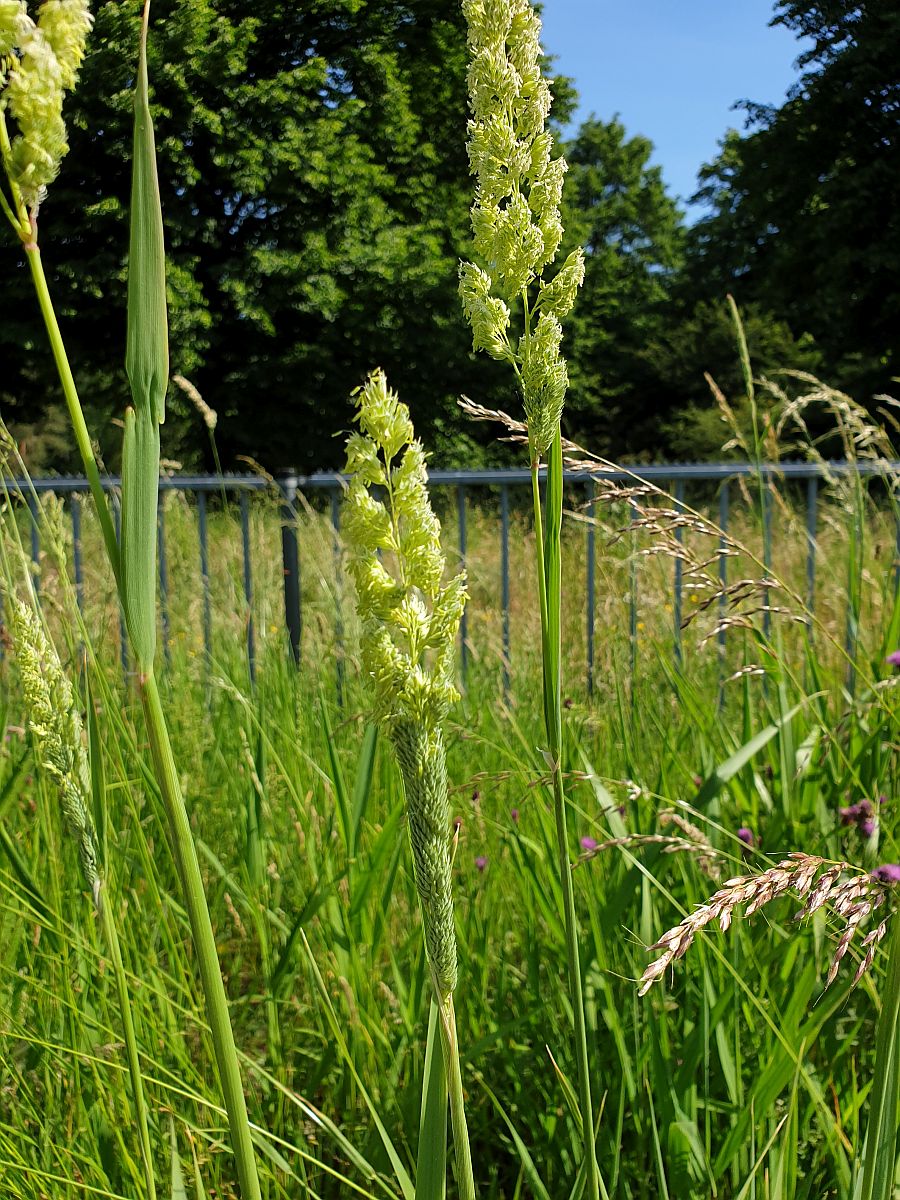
57, 730
43, 61
410, 620
854, 899
515, 217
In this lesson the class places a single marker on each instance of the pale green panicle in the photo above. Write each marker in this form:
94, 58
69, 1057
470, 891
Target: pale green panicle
515, 217
410, 622
44, 63
66, 24
57, 730
13, 23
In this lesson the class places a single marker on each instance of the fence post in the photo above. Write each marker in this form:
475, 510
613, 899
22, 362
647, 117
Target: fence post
464, 623
290, 557
75, 514
248, 584
678, 490
204, 575
812, 495
504, 582
590, 584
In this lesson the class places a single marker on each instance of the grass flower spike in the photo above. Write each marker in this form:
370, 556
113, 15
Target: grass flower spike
410, 621
517, 233
515, 217
42, 63
57, 730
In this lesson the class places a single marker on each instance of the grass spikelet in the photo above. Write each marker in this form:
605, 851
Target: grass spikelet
807, 875
57, 730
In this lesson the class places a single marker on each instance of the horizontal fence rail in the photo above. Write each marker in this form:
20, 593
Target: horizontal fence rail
673, 477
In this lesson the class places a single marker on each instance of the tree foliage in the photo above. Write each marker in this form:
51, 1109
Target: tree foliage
315, 191
804, 219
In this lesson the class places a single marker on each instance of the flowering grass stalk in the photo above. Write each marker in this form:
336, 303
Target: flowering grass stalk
410, 622
44, 58
59, 749
517, 234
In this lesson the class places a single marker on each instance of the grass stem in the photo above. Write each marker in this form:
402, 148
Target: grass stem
465, 1180
549, 564
111, 937
185, 855
76, 415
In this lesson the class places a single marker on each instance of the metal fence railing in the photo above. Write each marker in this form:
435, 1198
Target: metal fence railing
674, 478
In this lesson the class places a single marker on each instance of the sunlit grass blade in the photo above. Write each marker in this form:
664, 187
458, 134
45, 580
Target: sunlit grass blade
431, 1166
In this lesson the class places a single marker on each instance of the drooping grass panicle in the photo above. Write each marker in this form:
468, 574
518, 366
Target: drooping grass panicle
410, 619
56, 727
515, 218
851, 893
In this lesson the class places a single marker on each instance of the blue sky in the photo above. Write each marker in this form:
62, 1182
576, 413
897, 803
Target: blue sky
672, 70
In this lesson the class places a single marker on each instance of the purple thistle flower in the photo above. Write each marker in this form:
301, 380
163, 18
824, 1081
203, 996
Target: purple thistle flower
515, 816
888, 873
850, 815
882, 799
867, 827
481, 863
589, 844
746, 836
893, 658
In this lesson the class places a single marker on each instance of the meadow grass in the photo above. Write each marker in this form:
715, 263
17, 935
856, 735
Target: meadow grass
744, 1072
241, 838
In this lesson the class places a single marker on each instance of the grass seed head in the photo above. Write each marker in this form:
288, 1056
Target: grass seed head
516, 215
853, 899
45, 59
57, 731
410, 620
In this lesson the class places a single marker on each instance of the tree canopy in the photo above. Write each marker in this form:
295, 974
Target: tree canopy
316, 194
803, 216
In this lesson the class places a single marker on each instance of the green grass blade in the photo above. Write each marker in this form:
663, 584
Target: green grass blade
179, 1191
431, 1167
147, 366
881, 1131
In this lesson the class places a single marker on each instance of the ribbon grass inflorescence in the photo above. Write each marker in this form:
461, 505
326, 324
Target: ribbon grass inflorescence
517, 233
410, 620
516, 218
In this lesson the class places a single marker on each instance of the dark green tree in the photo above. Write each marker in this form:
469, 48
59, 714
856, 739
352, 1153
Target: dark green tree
315, 191
616, 205
803, 216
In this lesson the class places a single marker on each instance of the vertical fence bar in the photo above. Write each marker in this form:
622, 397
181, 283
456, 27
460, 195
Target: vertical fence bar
590, 585
163, 579
248, 583
75, 517
338, 593
723, 559
766, 492
123, 632
464, 623
812, 498
854, 583
203, 535
633, 602
290, 558
35, 543
677, 486
504, 582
